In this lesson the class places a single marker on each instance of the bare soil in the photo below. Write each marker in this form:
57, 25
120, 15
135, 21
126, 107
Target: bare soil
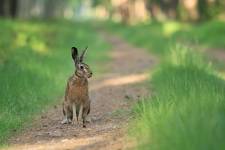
112, 95
218, 54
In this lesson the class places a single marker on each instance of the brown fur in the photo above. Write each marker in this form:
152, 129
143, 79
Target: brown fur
76, 94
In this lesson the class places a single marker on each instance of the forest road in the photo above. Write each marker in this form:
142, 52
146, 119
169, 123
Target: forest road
112, 95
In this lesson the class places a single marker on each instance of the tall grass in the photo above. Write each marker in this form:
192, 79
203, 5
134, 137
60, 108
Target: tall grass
35, 63
188, 109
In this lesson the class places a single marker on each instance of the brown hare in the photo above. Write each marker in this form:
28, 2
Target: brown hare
76, 105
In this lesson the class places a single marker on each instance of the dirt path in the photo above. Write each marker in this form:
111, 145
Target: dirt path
218, 54
111, 94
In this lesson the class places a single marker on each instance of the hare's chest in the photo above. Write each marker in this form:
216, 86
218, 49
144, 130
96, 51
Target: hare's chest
78, 91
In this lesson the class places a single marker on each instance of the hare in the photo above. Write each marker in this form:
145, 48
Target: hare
76, 101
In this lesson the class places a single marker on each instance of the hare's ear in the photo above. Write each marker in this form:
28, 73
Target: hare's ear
74, 54
83, 54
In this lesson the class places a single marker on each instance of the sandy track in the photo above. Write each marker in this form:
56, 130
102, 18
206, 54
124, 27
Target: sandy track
112, 94
218, 54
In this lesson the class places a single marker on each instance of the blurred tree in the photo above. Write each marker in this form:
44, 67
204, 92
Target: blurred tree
105, 3
210, 8
160, 9
34, 8
8, 8
126, 11
188, 10
54, 8
24, 8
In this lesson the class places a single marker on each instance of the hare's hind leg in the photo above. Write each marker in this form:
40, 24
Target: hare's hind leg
75, 118
86, 111
77, 111
80, 113
84, 116
68, 114
88, 118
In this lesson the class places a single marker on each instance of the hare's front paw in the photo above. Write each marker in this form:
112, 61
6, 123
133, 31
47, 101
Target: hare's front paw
66, 121
79, 122
74, 122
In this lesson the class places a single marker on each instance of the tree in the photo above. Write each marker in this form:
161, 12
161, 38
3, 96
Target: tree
162, 9
210, 8
8, 8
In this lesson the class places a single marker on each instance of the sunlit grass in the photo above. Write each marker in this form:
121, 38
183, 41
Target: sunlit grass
169, 28
35, 62
187, 110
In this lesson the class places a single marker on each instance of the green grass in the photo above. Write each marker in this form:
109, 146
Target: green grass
159, 37
188, 109
35, 63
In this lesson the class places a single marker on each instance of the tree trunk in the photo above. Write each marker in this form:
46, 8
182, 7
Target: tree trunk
23, 9
1, 8
13, 8
6, 8
190, 8
54, 8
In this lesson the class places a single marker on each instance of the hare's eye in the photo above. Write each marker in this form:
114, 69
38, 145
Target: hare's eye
82, 67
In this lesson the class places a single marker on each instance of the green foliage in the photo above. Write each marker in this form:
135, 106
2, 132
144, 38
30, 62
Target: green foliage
188, 108
35, 62
149, 36
207, 35
159, 37
187, 111
208, 10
